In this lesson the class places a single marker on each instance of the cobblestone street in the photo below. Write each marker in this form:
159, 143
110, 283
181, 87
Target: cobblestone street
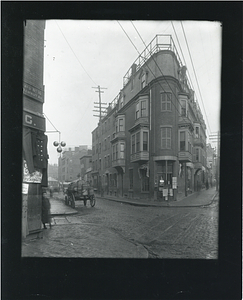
118, 230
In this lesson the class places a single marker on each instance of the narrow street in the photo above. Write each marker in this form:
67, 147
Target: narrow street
118, 230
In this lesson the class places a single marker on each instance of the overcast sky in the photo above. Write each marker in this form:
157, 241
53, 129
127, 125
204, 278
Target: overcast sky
80, 55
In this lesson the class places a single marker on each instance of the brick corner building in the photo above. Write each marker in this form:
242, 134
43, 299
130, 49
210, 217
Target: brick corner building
152, 137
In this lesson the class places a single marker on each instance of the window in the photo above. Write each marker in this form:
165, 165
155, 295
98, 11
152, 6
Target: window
122, 150
115, 180
108, 142
143, 80
116, 151
166, 101
121, 127
144, 111
196, 132
145, 141
121, 101
100, 163
137, 111
166, 138
108, 161
131, 179
183, 108
133, 143
137, 141
197, 154
182, 141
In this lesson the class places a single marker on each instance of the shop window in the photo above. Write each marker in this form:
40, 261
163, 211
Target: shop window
166, 138
166, 101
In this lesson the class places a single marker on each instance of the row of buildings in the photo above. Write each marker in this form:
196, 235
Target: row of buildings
152, 136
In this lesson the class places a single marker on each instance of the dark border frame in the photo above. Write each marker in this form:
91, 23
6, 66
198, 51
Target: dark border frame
32, 278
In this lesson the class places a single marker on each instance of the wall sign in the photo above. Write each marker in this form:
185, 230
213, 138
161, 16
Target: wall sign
34, 121
33, 92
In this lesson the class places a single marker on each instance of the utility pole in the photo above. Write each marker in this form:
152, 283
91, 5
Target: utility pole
100, 107
216, 139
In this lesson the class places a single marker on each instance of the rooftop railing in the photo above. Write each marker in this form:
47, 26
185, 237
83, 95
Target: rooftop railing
160, 42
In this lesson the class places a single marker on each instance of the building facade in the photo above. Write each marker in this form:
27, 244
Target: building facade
86, 166
69, 163
211, 164
151, 140
35, 157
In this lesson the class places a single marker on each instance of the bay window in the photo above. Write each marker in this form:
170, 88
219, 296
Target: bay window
166, 138
145, 141
166, 101
182, 141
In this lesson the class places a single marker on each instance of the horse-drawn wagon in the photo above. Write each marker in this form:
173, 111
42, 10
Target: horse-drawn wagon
79, 190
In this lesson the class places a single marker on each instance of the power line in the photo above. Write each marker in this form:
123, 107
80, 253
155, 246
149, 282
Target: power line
161, 73
75, 54
195, 74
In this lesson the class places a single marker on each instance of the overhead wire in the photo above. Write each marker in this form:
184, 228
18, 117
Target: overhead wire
195, 73
162, 75
75, 55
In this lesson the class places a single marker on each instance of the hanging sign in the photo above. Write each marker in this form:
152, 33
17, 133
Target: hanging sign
34, 121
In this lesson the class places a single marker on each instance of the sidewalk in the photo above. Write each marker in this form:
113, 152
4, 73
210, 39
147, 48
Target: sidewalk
202, 198
58, 206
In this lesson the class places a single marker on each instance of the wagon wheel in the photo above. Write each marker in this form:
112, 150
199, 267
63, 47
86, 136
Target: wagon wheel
92, 201
72, 201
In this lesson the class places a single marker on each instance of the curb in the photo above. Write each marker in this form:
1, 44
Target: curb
156, 205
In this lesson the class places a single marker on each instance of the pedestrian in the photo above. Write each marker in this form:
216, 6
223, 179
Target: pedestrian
46, 210
51, 192
207, 185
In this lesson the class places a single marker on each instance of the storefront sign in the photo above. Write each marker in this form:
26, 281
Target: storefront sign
34, 121
33, 92
174, 182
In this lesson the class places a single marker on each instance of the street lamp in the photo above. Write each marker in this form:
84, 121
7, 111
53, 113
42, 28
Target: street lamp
59, 146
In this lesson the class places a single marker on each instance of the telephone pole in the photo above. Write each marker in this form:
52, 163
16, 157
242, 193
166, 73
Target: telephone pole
100, 107
215, 138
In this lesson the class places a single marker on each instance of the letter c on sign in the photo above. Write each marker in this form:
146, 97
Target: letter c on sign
28, 119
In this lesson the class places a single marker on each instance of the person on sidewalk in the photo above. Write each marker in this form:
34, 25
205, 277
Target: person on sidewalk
46, 210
